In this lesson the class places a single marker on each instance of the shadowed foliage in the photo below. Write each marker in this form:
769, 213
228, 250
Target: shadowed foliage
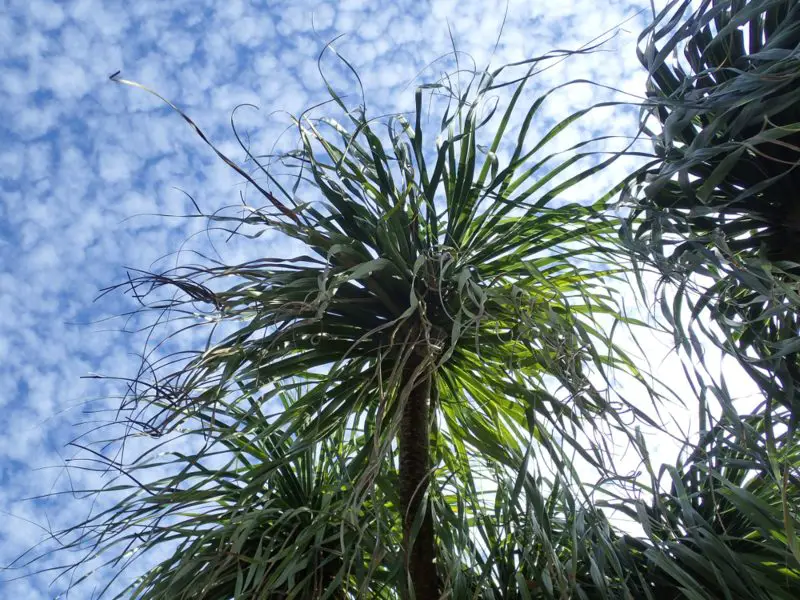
717, 212
722, 522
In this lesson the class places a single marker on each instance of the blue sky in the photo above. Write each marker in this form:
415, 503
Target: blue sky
83, 161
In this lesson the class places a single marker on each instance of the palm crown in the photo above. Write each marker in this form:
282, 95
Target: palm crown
447, 313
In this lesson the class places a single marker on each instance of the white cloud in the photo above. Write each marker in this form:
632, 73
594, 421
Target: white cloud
179, 45
76, 42
11, 165
32, 122
38, 159
48, 15
372, 29
17, 82
43, 257
67, 79
115, 165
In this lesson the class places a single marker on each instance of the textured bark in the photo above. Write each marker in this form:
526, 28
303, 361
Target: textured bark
420, 553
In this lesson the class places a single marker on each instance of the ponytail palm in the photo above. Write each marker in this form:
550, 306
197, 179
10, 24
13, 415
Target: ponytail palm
442, 340
721, 200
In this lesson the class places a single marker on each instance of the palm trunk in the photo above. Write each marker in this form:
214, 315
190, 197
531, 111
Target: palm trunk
420, 552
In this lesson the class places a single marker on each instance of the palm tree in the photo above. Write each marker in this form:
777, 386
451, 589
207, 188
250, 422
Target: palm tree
445, 358
721, 199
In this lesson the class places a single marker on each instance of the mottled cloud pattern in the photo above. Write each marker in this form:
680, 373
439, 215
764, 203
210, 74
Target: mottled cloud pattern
83, 162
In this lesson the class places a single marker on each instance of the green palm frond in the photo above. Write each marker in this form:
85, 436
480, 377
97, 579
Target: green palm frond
722, 199
244, 518
721, 523
450, 310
